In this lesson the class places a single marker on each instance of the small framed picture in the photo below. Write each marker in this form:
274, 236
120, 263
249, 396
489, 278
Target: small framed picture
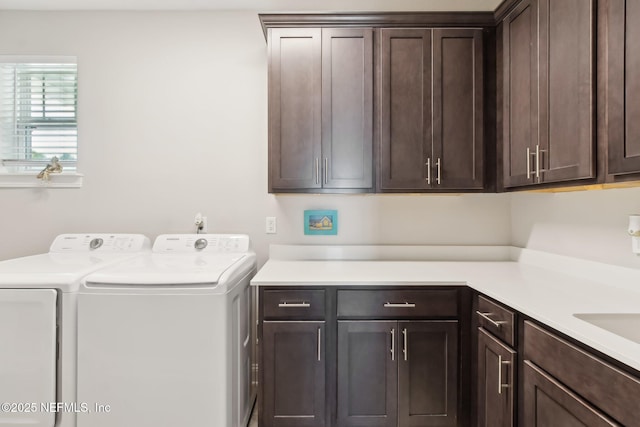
320, 222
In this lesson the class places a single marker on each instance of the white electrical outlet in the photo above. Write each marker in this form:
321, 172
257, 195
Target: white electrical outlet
271, 225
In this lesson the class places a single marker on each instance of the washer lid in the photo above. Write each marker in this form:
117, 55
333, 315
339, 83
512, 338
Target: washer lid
168, 269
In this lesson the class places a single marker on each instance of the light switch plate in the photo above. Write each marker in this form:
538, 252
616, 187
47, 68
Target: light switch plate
271, 225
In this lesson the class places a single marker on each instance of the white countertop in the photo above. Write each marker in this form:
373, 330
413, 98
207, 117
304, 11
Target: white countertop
535, 288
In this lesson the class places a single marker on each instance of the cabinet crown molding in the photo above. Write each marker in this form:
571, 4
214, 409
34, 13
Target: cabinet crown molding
376, 19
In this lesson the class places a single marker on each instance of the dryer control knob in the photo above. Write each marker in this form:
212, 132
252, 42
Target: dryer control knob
96, 243
200, 244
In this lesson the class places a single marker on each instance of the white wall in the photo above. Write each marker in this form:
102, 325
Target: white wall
173, 121
584, 224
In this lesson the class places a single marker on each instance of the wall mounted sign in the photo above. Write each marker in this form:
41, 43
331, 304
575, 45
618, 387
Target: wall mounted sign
319, 222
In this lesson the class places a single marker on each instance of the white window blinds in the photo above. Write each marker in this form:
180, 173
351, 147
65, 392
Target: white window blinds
38, 114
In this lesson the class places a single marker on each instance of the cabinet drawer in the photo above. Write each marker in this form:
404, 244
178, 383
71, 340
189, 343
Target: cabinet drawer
395, 304
294, 304
496, 319
608, 388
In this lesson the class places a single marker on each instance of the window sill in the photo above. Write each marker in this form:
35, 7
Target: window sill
21, 180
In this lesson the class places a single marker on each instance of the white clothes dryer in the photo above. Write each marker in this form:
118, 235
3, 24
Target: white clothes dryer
38, 325
165, 340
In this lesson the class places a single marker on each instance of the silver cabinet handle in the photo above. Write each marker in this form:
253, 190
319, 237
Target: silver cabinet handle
294, 305
428, 164
393, 344
319, 343
399, 305
485, 316
404, 344
528, 163
438, 181
538, 162
317, 170
326, 170
500, 363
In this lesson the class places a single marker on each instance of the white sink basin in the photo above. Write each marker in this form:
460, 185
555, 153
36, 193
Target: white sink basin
626, 325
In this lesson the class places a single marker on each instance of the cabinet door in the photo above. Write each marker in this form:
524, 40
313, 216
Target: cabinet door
623, 85
428, 374
294, 108
457, 109
293, 365
520, 108
566, 93
405, 109
367, 373
496, 385
347, 108
547, 403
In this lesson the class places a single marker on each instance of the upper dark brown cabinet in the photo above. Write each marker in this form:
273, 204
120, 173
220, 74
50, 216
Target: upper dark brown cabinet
520, 74
431, 109
548, 82
320, 109
621, 57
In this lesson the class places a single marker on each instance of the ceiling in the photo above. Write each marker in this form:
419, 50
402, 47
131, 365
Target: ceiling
255, 5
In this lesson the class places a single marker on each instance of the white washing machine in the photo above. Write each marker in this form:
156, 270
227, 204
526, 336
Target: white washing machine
38, 325
164, 340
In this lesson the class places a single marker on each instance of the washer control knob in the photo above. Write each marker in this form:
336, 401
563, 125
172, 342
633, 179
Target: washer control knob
200, 244
96, 243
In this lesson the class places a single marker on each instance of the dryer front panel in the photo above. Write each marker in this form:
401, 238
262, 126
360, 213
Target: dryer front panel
28, 357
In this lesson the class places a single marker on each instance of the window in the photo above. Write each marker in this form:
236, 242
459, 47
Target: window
38, 114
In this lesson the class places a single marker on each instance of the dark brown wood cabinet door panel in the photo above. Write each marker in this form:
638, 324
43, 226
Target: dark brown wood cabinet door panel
367, 373
613, 391
622, 100
294, 108
347, 108
496, 382
632, 81
405, 108
293, 390
566, 91
457, 109
548, 403
428, 374
519, 104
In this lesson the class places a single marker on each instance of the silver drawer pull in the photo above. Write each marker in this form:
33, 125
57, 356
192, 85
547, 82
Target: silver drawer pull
485, 316
294, 305
399, 305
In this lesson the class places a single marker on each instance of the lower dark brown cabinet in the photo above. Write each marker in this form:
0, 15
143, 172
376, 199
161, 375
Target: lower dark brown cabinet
548, 403
395, 373
294, 371
496, 385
